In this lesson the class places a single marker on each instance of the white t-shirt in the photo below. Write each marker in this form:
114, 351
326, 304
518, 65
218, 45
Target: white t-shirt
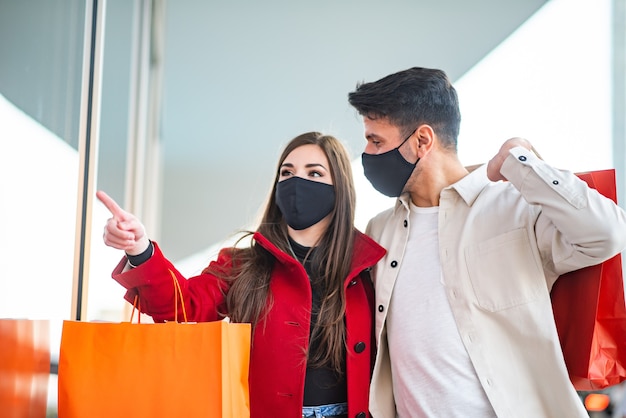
432, 373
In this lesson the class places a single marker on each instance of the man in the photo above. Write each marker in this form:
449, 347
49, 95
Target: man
464, 322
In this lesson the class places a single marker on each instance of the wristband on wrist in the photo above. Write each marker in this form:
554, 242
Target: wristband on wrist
136, 260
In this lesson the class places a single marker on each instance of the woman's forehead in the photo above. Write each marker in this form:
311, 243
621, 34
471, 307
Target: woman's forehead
306, 154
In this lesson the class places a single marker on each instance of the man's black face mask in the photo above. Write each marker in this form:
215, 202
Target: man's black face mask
388, 172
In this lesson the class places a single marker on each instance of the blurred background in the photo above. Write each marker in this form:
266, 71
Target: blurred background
179, 110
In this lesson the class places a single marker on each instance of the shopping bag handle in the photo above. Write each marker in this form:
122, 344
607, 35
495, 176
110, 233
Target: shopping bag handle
137, 306
178, 293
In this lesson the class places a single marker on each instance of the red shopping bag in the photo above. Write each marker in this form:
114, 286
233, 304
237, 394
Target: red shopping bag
24, 368
191, 370
590, 313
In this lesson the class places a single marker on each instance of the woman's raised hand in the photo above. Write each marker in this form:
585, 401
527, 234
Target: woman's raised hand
123, 230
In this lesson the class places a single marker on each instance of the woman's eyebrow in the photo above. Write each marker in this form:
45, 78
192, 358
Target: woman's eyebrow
290, 165
315, 165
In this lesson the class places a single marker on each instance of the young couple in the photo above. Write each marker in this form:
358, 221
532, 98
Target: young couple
457, 321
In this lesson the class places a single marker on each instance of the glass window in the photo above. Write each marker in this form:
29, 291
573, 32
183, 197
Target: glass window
41, 57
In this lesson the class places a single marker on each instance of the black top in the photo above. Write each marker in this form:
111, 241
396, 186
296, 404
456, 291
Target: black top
322, 386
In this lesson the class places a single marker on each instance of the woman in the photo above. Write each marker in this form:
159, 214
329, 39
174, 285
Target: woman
299, 283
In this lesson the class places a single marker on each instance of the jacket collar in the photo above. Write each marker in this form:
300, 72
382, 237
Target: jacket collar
366, 252
468, 188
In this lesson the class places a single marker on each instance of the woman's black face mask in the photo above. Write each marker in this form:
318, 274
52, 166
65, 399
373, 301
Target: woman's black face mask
388, 172
304, 202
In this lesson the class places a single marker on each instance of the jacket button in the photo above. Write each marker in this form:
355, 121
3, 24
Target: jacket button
359, 347
406, 223
394, 263
522, 158
381, 308
352, 282
361, 415
555, 182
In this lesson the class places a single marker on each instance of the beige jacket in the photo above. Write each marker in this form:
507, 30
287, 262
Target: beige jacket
502, 247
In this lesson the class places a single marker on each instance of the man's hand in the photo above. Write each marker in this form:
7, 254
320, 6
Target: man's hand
495, 164
123, 230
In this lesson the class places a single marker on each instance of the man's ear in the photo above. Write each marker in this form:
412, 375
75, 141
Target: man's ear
425, 137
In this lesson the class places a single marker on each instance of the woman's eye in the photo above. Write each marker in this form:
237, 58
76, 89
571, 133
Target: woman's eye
315, 174
285, 173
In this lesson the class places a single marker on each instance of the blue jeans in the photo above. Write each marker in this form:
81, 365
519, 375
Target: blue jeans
322, 411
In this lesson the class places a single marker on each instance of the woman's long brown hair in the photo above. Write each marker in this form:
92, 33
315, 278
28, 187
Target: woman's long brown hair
248, 298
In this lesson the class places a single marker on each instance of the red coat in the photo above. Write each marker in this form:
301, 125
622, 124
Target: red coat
277, 359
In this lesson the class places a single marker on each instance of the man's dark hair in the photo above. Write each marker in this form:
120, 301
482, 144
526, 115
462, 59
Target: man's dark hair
410, 98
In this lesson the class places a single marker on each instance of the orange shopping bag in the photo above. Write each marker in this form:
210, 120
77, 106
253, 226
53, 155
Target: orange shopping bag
191, 370
590, 312
24, 368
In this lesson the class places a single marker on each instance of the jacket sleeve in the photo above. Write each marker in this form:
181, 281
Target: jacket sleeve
203, 295
576, 226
